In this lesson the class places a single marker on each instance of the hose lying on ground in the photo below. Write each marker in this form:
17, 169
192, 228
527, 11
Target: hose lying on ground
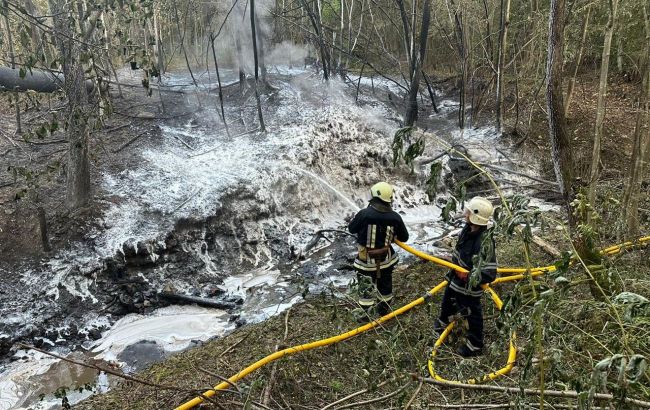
518, 275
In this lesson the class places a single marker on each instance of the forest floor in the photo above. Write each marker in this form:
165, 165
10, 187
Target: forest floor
378, 365
33, 171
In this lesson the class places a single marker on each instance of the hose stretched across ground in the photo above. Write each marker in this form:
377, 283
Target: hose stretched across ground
518, 273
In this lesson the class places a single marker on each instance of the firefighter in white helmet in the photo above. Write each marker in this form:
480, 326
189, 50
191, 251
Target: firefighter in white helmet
475, 251
376, 227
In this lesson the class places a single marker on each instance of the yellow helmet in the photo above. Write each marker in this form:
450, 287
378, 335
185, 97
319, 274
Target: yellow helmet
480, 210
383, 191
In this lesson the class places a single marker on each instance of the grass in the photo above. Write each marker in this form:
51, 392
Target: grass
577, 333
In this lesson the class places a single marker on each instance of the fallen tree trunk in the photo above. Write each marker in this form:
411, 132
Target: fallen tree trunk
187, 299
35, 79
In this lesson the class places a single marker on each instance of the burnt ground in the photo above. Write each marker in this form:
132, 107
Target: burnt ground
40, 177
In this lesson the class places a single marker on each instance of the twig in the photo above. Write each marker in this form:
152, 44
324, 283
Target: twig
234, 345
415, 394
521, 174
46, 142
119, 127
129, 142
182, 141
375, 400
216, 148
572, 394
223, 379
470, 406
269, 386
353, 395
186, 201
104, 369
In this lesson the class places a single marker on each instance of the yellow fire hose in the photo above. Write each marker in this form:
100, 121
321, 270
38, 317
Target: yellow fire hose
344, 336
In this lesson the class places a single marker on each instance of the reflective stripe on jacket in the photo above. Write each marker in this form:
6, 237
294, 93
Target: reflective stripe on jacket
376, 227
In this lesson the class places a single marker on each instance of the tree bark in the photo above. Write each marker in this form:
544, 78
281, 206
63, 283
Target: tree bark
412, 102
79, 112
257, 69
640, 146
560, 143
576, 67
318, 28
602, 96
240, 63
12, 57
503, 43
216, 68
158, 39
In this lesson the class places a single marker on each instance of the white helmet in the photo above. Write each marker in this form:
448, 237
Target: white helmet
383, 191
480, 210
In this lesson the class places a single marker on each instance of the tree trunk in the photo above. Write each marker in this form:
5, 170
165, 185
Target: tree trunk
158, 39
560, 143
318, 28
412, 102
12, 58
79, 112
576, 67
257, 69
240, 63
503, 43
602, 96
407, 30
640, 146
216, 68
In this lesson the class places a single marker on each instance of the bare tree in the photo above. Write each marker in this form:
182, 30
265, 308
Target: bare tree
416, 63
79, 114
602, 96
576, 67
560, 143
503, 44
640, 146
257, 68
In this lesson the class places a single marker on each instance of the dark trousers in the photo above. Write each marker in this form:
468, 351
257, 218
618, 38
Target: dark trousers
470, 308
368, 282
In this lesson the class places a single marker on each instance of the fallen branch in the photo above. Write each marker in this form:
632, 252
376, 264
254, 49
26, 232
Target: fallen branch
353, 395
543, 245
269, 386
104, 369
216, 148
234, 345
46, 142
129, 142
318, 235
567, 394
375, 400
521, 174
213, 303
182, 141
223, 379
415, 394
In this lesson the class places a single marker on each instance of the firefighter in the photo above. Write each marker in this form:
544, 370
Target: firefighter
475, 251
376, 227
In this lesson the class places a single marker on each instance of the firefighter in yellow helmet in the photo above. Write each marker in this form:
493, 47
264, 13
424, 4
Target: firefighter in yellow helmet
474, 251
376, 227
